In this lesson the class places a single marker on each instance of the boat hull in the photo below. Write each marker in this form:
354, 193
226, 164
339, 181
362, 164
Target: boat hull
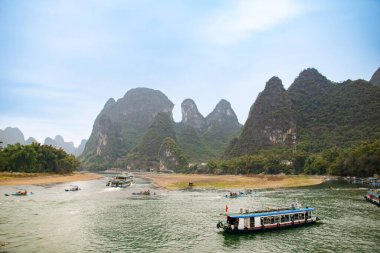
18, 194
372, 201
273, 227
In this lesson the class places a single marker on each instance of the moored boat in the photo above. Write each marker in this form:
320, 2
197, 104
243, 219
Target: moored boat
373, 196
252, 222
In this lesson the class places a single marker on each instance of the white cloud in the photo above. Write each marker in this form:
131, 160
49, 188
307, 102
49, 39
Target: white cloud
239, 20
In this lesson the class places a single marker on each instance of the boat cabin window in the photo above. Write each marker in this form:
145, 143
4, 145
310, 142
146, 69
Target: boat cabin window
301, 216
284, 218
231, 221
292, 217
252, 222
296, 216
270, 220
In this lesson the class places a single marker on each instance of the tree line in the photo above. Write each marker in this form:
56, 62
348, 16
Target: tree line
361, 160
36, 158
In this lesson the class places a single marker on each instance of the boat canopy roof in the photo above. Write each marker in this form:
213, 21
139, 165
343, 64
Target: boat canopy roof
121, 177
274, 213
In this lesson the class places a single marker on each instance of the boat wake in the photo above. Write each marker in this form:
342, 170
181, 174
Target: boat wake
111, 189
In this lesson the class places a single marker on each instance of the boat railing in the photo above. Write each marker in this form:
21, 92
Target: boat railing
269, 210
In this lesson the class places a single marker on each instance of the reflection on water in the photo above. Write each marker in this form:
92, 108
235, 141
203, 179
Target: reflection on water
102, 219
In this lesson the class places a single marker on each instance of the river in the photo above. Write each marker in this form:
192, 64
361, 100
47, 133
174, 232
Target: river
102, 219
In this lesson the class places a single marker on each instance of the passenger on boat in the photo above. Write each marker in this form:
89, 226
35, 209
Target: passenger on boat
22, 192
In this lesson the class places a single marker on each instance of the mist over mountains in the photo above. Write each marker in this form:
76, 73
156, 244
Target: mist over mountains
13, 135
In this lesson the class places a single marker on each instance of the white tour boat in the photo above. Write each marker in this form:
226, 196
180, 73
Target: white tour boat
252, 222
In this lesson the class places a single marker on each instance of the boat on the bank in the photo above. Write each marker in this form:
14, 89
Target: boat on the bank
373, 196
264, 220
121, 181
72, 188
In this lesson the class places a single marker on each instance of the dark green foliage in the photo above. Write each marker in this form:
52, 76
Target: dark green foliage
340, 115
172, 156
331, 120
270, 122
146, 153
362, 160
36, 158
218, 137
192, 143
150, 143
266, 161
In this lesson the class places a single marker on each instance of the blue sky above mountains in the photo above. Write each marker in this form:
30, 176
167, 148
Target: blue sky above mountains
62, 60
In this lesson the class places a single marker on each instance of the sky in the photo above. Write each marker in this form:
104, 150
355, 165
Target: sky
61, 60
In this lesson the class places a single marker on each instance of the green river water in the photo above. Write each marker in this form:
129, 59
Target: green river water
102, 219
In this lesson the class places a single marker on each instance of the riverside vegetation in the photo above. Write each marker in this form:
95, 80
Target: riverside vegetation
36, 158
362, 160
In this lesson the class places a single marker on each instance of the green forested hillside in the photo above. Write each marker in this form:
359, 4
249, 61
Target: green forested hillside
342, 115
270, 122
192, 143
172, 156
337, 131
161, 128
129, 132
120, 125
145, 154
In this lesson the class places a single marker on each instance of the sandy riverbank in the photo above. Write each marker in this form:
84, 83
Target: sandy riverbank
44, 178
181, 181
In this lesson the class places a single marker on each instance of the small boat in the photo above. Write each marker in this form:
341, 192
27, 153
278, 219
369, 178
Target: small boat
264, 220
146, 193
21, 192
373, 196
121, 181
250, 191
72, 188
235, 195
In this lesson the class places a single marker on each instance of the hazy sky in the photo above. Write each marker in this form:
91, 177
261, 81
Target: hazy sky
60, 61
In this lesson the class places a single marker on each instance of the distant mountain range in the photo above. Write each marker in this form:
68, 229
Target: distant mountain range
12, 135
134, 131
312, 115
